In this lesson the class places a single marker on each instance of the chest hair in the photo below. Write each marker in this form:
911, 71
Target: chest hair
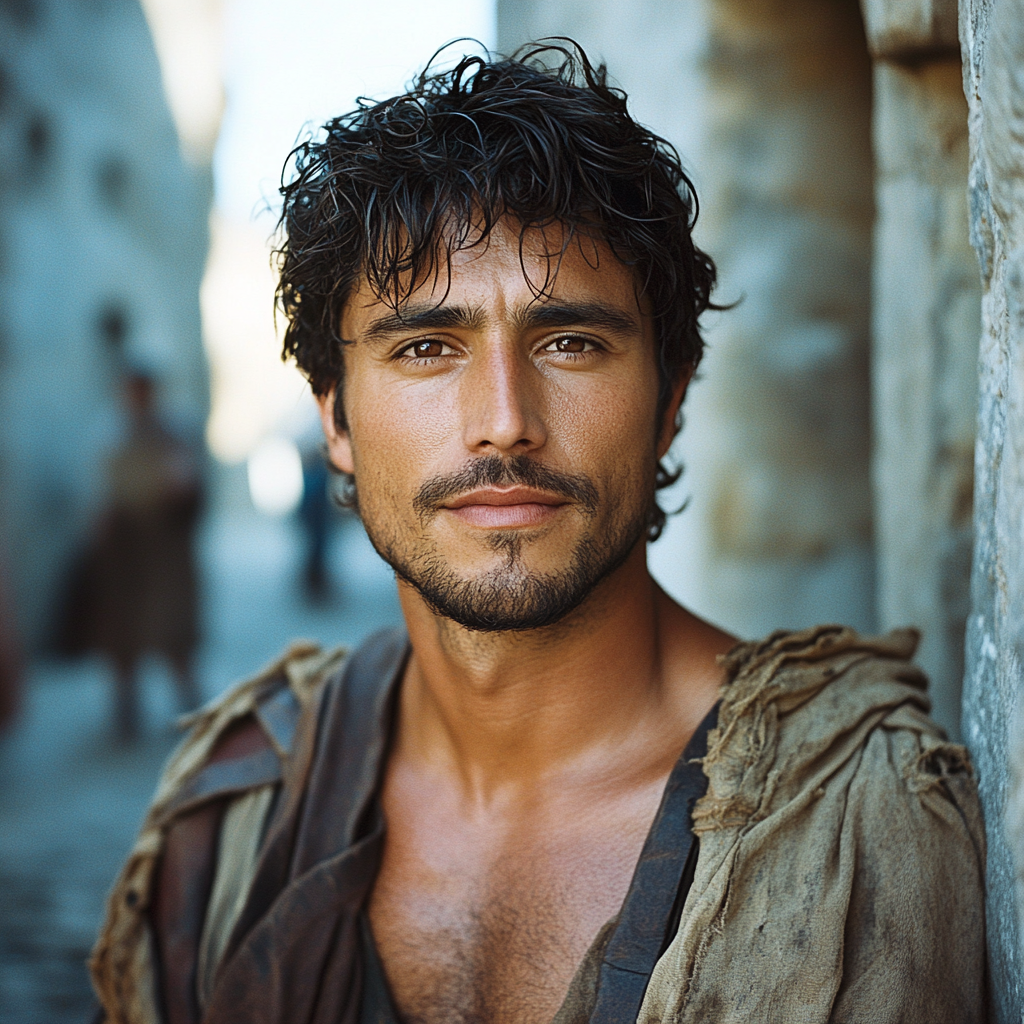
506, 958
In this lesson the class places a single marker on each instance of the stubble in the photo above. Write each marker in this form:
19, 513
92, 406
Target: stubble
509, 596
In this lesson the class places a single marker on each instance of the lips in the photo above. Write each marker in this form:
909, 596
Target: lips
505, 508
504, 497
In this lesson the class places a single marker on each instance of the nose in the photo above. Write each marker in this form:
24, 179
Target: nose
503, 402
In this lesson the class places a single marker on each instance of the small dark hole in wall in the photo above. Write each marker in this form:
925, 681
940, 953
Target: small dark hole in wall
6, 88
37, 137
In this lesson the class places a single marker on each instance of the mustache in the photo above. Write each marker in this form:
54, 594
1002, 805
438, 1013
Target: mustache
495, 471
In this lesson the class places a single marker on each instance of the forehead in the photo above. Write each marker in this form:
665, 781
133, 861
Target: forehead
512, 268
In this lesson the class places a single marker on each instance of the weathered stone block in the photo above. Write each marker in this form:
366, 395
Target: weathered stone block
926, 312
905, 30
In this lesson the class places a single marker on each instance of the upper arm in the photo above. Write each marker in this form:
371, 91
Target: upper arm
914, 942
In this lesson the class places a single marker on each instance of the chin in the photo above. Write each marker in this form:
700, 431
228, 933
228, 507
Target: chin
514, 596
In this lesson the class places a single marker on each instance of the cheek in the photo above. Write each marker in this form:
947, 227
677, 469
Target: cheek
610, 423
397, 432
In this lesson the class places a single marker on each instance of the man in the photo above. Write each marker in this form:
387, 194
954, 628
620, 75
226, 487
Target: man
11, 657
561, 797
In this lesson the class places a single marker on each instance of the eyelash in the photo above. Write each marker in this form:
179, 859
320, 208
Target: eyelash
572, 356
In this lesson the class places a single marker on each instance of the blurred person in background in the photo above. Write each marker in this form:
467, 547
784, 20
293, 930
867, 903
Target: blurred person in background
316, 512
557, 795
11, 664
136, 590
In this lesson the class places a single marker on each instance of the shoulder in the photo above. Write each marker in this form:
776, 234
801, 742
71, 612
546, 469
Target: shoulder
250, 728
816, 708
840, 874
786, 668
238, 744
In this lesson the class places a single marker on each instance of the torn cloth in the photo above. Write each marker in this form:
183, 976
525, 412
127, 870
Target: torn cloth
842, 856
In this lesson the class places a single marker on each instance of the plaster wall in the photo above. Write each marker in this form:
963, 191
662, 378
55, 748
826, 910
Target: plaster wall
992, 39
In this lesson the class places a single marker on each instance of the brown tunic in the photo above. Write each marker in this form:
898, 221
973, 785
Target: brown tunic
135, 589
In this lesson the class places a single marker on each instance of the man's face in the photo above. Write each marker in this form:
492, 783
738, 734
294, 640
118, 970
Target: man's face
504, 447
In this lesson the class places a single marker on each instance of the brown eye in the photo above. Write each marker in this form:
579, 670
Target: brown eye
426, 349
570, 345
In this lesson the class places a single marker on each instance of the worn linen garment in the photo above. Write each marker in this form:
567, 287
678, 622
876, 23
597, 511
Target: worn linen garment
839, 876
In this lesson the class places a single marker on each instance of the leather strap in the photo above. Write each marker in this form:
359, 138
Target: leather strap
649, 917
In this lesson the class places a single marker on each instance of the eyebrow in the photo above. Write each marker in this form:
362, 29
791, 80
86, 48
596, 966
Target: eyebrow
537, 314
575, 314
424, 317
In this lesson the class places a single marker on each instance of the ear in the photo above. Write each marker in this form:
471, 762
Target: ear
668, 423
339, 446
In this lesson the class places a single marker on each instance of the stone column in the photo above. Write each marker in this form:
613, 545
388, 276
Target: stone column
925, 315
790, 208
992, 38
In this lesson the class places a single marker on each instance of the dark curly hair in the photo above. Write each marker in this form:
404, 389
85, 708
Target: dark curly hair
390, 190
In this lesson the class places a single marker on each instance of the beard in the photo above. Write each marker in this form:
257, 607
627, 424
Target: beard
510, 597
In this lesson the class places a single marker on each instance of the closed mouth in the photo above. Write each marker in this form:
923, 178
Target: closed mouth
504, 496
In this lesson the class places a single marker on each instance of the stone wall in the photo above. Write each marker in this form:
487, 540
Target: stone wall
789, 201
103, 238
992, 38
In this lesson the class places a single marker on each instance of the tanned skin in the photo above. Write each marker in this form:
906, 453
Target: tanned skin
527, 765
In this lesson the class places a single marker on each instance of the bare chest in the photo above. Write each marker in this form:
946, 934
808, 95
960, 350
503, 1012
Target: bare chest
489, 924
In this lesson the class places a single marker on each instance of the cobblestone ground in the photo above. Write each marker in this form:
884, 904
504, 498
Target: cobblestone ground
70, 800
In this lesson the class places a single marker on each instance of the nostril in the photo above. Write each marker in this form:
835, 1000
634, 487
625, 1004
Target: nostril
523, 443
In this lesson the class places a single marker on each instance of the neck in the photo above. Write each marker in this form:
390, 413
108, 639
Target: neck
501, 708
